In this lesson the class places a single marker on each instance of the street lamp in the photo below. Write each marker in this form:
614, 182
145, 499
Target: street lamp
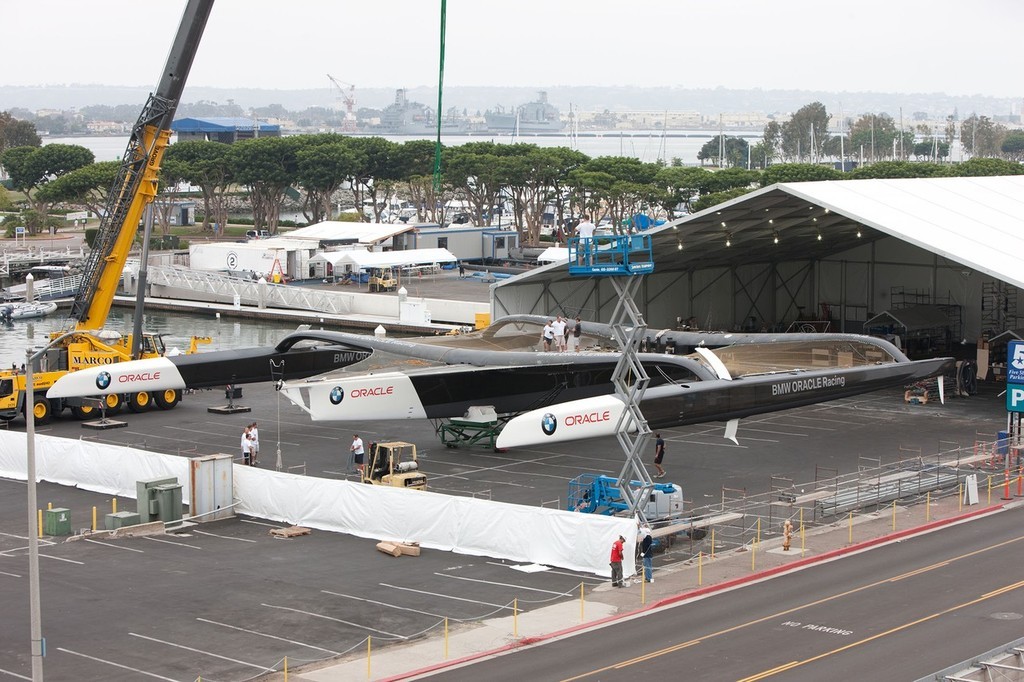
37, 642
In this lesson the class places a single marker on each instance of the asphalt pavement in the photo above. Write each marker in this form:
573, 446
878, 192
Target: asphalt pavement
228, 601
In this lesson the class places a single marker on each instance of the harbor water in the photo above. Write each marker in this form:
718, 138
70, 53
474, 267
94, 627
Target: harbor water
177, 329
647, 145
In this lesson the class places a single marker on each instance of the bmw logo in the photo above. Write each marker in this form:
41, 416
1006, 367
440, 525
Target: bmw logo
548, 424
103, 380
337, 395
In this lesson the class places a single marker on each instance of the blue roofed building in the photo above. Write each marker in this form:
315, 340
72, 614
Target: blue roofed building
226, 129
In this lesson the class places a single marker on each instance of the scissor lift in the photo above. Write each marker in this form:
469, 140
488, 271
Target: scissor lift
625, 259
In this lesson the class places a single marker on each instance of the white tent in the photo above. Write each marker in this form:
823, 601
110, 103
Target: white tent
366, 260
335, 231
553, 254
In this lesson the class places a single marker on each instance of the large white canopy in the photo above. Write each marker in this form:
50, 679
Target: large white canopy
365, 260
336, 231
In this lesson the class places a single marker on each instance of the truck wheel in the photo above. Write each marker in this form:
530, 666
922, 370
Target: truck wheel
166, 400
83, 412
114, 403
140, 402
41, 412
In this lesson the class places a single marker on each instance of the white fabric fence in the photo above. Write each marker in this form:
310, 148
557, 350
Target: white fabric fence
579, 542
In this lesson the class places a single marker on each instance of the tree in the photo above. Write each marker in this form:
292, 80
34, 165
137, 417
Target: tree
805, 133
680, 186
771, 142
900, 169
735, 149
206, 165
414, 161
982, 166
267, 166
709, 200
325, 162
981, 136
32, 167
1013, 146
16, 133
798, 172
378, 163
875, 136
87, 186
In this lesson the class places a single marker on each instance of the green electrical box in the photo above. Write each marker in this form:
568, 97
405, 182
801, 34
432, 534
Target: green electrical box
57, 521
168, 498
120, 520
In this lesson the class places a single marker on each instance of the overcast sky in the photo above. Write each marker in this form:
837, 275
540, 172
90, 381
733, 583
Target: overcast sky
951, 46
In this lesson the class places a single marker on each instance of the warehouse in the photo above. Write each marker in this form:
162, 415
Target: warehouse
820, 256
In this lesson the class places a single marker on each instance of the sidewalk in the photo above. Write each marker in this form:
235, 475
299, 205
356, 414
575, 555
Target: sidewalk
467, 642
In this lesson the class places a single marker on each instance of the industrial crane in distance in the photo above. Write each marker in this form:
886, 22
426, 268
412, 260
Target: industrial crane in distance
349, 98
86, 343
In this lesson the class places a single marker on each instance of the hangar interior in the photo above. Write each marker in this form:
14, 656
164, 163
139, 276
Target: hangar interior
839, 256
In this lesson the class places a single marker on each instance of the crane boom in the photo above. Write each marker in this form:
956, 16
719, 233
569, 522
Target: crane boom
138, 177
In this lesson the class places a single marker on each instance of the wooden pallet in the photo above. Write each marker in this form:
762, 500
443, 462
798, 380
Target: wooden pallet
290, 532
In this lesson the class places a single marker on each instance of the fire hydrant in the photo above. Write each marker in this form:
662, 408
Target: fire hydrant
787, 535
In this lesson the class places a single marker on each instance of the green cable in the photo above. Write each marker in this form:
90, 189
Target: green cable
440, 93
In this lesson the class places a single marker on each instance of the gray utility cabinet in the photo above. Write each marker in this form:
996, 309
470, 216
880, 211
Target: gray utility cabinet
211, 488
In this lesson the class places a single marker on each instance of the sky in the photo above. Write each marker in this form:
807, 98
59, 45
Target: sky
951, 46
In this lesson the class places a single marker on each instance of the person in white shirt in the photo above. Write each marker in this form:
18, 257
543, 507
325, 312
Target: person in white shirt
357, 452
254, 444
548, 335
246, 447
558, 328
585, 231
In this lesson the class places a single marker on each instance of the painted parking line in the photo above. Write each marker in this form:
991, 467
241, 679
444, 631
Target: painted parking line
222, 537
585, 577
170, 542
107, 544
20, 677
13, 575
60, 558
117, 665
263, 634
394, 606
446, 596
497, 584
260, 523
200, 651
336, 620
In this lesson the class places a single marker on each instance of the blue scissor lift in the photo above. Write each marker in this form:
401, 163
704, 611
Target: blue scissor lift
624, 259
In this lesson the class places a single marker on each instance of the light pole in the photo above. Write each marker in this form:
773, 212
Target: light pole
37, 641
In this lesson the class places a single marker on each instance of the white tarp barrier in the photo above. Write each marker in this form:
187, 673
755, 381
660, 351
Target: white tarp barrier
580, 542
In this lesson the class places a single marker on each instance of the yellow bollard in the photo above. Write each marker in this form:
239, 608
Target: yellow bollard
369, 646
446, 638
39, 522
285, 669
643, 591
49, 506
712, 543
803, 538
894, 516
581, 602
700, 568
759, 530
960, 497
753, 555
94, 519
113, 504
990, 488
928, 506
515, 618
849, 538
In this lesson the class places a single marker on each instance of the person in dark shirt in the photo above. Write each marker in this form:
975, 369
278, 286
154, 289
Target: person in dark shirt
659, 455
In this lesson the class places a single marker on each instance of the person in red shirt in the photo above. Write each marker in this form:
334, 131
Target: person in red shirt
616, 562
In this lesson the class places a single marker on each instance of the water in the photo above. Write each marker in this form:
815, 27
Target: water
648, 146
226, 333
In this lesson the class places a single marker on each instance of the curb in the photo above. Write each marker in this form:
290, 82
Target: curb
702, 591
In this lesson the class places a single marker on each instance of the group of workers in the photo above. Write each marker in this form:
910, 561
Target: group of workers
559, 336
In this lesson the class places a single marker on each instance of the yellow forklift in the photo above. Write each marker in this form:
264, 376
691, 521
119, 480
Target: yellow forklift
394, 463
383, 279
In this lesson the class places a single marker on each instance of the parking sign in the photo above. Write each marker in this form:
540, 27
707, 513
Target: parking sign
1015, 362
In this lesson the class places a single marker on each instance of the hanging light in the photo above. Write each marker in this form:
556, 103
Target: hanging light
775, 237
819, 236
728, 240
858, 233
679, 246
723, 223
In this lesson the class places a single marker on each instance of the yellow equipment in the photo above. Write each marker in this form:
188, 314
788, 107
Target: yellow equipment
134, 188
394, 463
383, 279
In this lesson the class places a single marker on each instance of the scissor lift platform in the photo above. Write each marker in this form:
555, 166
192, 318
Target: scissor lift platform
612, 255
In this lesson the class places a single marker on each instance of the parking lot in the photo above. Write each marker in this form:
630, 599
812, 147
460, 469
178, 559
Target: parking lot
226, 600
